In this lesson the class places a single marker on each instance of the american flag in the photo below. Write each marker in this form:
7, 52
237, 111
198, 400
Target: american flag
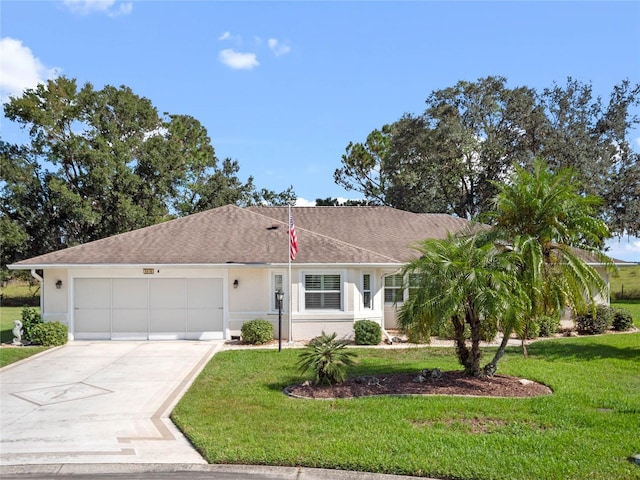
293, 239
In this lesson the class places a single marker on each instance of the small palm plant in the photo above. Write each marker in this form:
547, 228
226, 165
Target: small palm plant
327, 358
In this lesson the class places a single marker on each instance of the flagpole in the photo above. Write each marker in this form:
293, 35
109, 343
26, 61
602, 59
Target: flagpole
289, 276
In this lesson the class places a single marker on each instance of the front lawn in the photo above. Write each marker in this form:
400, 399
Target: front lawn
236, 413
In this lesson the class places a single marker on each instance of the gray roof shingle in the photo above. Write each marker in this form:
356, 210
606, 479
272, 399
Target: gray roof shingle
230, 234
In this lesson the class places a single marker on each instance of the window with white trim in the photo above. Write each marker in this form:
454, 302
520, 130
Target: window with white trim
277, 281
323, 291
393, 289
366, 290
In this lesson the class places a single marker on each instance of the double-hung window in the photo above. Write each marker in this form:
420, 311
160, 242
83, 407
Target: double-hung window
366, 290
393, 289
323, 291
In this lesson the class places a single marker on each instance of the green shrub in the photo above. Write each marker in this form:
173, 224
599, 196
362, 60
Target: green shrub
488, 331
367, 332
548, 326
589, 324
49, 334
30, 319
622, 319
327, 358
444, 330
531, 329
420, 332
256, 332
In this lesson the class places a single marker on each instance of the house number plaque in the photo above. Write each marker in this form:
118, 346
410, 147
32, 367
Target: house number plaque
148, 271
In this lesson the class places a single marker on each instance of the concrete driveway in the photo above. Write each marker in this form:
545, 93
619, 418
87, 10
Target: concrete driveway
99, 402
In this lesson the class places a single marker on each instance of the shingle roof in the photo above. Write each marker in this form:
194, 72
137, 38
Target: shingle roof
230, 234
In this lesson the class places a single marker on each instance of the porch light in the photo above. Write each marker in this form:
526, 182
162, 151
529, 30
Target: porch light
59, 284
236, 283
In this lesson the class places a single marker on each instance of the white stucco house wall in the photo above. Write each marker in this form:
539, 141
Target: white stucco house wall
203, 276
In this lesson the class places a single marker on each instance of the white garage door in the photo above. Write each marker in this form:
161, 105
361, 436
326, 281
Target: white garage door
153, 309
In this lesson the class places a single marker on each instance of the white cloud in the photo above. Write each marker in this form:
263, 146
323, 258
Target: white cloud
238, 60
124, 9
302, 202
625, 248
20, 69
247, 60
86, 7
278, 48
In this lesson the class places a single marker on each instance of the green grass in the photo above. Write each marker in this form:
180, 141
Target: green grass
236, 413
7, 317
9, 354
19, 294
627, 279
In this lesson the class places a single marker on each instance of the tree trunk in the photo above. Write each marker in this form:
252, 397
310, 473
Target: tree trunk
462, 351
491, 367
474, 361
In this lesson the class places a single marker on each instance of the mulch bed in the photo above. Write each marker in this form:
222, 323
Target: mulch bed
451, 383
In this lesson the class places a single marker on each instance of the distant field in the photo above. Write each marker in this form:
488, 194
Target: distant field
20, 294
626, 283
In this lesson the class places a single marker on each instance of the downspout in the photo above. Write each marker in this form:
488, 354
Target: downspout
40, 280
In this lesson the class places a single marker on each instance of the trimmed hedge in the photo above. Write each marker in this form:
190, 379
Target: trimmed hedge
49, 334
256, 332
367, 332
622, 319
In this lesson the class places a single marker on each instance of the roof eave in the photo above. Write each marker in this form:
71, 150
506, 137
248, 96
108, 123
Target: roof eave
43, 266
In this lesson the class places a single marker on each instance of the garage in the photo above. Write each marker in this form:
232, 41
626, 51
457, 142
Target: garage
148, 309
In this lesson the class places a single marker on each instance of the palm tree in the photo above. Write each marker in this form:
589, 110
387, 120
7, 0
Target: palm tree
554, 227
466, 281
532, 263
327, 358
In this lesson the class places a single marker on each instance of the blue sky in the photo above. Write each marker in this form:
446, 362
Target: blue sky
283, 87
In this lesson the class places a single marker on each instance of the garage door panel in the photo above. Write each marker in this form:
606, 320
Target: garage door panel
167, 320
204, 319
130, 320
93, 321
205, 336
148, 308
130, 293
204, 292
167, 293
93, 293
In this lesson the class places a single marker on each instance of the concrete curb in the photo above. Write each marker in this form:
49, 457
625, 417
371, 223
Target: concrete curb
242, 471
